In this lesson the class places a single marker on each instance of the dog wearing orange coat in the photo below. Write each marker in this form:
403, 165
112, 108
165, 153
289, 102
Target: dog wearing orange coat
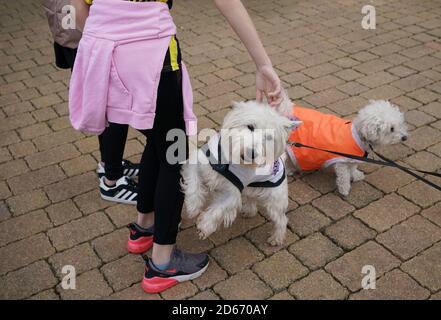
379, 123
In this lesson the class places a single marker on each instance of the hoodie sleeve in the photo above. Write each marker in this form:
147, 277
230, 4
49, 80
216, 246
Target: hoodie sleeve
89, 85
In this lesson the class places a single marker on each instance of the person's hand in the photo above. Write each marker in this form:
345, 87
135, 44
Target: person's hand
268, 85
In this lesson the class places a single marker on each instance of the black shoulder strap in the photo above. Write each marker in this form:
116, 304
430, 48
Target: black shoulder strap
222, 168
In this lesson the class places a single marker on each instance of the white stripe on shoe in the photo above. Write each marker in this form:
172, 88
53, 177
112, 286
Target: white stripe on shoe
132, 197
127, 195
120, 194
112, 199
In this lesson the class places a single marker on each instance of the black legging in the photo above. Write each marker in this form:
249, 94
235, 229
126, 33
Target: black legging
112, 144
158, 184
159, 188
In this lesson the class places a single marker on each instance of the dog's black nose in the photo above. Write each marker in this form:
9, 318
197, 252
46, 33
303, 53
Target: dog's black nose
403, 138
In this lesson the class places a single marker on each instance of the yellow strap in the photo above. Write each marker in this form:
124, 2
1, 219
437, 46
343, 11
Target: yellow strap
174, 54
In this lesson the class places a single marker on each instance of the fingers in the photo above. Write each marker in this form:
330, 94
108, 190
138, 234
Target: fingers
270, 81
275, 97
276, 102
276, 93
259, 95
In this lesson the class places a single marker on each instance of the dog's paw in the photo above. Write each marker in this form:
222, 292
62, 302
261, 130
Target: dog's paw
202, 235
357, 175
205, 227
249, 211
344, 192
229, 218
275, 240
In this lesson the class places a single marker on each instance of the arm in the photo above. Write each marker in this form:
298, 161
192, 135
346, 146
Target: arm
81, 12
267, 81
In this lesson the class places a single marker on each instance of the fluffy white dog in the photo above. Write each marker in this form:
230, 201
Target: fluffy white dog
240, 169
379, 123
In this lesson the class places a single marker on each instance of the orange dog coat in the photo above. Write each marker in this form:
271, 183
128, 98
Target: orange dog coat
322, 131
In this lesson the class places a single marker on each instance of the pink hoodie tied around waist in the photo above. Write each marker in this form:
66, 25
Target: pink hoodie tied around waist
118, 67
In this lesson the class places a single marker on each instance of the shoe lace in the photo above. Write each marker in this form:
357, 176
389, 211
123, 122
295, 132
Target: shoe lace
131, 182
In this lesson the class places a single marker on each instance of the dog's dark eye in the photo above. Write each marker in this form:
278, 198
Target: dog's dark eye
392, 129
251, 127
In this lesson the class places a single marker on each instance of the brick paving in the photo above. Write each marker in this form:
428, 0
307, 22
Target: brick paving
51, 214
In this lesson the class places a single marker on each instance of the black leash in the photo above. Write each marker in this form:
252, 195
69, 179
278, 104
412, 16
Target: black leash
383, 162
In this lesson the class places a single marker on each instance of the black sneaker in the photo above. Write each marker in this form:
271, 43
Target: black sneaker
183, 267
124, 191
140, 239
130, 169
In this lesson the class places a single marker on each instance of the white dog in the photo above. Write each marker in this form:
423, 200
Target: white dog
378, 124
245, 172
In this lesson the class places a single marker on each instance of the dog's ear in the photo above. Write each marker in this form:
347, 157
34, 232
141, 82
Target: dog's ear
295, 124
290, 125
238, 104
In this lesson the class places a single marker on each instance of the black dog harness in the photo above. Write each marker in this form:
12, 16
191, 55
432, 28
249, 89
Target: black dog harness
240, 175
